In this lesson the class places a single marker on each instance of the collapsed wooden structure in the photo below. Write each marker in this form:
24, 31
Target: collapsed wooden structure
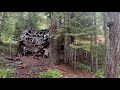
33, 42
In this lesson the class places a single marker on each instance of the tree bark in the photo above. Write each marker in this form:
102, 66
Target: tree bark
91, 49
96, 44
94, 53
53, 43
114, 54
68, 40
1, 19
107, 41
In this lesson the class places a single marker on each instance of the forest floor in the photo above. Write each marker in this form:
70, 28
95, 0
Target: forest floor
31, 67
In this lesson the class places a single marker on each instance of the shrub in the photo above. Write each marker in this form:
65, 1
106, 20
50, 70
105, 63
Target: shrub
6, 73
100, 74
83, 67
51, 74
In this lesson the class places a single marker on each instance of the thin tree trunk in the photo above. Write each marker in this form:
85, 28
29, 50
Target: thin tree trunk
107, 41
75, 54
67, 42
94, 55
91, 49
1, 19
96, 44
10, 49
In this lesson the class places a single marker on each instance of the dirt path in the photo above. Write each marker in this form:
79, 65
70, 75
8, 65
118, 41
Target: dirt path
35, 66
31, 68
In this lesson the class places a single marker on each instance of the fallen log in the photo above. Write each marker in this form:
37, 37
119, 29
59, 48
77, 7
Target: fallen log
13, 59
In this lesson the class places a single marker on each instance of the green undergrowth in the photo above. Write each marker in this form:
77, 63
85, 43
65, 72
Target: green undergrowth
100, 74
6, 48
51, 74
2, 61
6, 71
85, 45
83, 67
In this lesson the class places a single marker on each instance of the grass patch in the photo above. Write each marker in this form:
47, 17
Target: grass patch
5, 70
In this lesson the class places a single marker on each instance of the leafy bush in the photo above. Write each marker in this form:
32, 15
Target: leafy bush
51, 74
100, 74
83, 67
3, 74
7, 72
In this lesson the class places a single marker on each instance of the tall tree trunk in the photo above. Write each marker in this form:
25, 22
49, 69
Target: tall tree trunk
68, 40
96, 44
94, 52
53, 42
112, 64
91, 49
1, 19
107, 41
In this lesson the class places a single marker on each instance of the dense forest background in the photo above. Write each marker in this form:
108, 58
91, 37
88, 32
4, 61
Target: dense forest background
83, 40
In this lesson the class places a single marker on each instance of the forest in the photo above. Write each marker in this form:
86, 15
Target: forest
59, 45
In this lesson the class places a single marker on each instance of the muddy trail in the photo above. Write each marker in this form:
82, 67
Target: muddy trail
30, 67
